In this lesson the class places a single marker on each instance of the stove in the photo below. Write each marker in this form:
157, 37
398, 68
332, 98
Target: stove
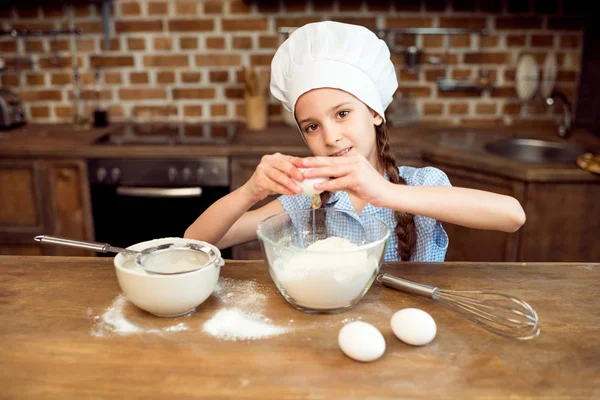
171, 134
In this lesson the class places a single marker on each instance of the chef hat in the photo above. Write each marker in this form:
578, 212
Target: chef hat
334, 55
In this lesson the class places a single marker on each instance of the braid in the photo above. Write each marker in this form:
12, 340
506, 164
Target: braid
405, 225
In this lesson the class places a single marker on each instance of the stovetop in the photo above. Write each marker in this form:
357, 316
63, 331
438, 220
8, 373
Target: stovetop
171, 134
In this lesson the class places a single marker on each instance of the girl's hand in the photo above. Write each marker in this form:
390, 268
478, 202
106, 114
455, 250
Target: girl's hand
274, 176
353, 174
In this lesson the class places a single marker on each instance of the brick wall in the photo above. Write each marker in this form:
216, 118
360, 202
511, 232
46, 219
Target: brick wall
181, 60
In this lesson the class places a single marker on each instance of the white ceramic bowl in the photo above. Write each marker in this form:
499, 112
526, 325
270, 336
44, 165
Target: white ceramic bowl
167, 295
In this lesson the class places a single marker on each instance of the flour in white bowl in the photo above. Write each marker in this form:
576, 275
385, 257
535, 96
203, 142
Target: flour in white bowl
328, 279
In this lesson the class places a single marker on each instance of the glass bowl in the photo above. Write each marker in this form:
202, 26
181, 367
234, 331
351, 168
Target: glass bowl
323, 260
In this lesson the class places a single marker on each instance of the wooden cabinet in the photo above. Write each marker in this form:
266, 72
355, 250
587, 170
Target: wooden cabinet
43, 197
563, 222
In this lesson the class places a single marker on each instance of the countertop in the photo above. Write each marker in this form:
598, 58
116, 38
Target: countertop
453, 146
66, 332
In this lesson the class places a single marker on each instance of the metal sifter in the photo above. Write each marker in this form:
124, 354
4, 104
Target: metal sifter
165, 259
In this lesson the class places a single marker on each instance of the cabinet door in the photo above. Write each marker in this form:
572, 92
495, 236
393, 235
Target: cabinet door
23, 215
242, 169
468, 244
70, 208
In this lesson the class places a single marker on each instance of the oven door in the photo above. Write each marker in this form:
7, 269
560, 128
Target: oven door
124, 215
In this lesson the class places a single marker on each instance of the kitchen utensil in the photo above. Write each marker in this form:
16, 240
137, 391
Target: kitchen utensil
155, 260
589, 162
11, 110
527, 76
412, 58
500, 313
549, 79
315, 270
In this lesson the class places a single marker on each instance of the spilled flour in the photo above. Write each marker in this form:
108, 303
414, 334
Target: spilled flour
233, 324
242, 319
113, 321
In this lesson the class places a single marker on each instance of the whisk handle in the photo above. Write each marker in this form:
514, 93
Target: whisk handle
408, 286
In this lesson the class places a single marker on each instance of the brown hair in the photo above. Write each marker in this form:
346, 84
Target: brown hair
405, 225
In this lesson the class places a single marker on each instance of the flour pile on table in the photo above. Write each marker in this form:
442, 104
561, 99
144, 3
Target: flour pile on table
113, 321
242, 318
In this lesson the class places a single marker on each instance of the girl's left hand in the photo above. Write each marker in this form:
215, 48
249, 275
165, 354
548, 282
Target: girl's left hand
353, 174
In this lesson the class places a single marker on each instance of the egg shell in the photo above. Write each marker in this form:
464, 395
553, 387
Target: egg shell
361, 341
308, 185
413, 326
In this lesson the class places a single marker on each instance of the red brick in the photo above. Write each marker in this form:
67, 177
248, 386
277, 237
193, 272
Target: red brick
511, 108
485, 108
515, 40
240, 110
50, 62
35, 79
566, 23
261, 59
111, 61
254, 24
504, 92
460, 41
219, 76
129, 8
295, 21
63, 112
518, 23
295, 6
487, 58
193, 93
459, 108
461, 74
52, 12
171, 60
417, 91
268, 6
567, 76
463, 23
113, 78
185, 7
40, 95
405, 76
62, 78
82, 10
218, 110
234, 93
232, 60
542, 40
448, 59
215, 43
433, 108
433, 40
191, 25
458, 94
8, 46
239, 7
113, 45
268, 42
190, 77
154, 111
414, 22
115, 111
33, 25
213, 7
187, 43
34, 45
488, 41
165, 77
274, 109
40, 112
89, 27
142, 93
192, 111
163, 43
570, 41
136, 43
91, 95
434, 74
86, 45
510, 75
132, 26
136, 78
482, 122
242, 42
158, 8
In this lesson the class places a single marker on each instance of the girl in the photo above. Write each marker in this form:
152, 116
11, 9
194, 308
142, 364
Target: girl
338, 80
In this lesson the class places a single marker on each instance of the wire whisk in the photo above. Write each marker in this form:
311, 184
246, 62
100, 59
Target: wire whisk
499, 313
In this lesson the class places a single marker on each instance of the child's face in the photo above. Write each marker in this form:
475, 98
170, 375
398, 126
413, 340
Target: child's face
333, 121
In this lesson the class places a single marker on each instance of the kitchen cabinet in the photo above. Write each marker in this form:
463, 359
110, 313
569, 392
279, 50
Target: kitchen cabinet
43, 197
563, 221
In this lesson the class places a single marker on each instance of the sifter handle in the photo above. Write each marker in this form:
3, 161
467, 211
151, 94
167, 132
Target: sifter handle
407, 286
100, 247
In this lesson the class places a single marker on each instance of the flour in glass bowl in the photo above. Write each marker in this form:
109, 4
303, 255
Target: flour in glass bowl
328, 279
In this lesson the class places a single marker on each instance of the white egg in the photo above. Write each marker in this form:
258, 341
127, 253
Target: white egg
361, 341
413, 326
307, 184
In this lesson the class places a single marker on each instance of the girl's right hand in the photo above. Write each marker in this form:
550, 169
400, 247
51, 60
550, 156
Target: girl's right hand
274, 176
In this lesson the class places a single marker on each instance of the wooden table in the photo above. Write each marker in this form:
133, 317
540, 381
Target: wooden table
53, 344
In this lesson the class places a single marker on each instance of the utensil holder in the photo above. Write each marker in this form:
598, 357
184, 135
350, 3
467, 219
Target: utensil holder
256, 112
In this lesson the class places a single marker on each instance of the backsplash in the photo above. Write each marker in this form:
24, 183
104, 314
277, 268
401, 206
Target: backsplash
182, 60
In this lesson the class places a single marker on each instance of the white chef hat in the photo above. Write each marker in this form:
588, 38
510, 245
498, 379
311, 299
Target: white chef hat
334, 55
